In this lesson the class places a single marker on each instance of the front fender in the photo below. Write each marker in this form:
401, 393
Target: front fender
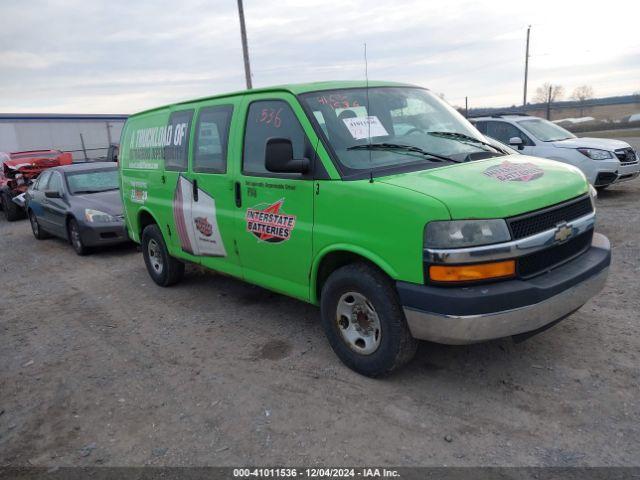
377, 260
134, 229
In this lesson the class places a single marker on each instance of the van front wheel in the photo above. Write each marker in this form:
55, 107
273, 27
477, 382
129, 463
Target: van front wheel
162, 267
364, 322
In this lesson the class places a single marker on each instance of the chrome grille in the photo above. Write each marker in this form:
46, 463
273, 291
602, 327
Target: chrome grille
540, 220
626, 156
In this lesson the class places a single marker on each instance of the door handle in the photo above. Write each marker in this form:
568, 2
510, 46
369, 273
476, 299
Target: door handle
238, 194
195, 190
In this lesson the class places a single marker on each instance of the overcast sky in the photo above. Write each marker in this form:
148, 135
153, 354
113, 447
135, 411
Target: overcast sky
121, 56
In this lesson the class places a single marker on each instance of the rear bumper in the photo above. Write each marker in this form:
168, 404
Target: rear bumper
104, 235
462, 315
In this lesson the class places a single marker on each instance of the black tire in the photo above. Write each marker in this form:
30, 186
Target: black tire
37, 230
75, 239
162, 267
12, 212
395, 346
602, 187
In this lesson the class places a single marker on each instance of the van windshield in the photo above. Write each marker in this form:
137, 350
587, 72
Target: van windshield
387, 127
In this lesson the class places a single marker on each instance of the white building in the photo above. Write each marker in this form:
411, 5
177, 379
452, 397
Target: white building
85, 136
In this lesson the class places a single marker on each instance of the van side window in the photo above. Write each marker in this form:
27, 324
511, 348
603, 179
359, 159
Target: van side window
212, 136
266, 119
176, 154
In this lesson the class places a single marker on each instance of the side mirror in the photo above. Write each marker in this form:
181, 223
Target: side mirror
516, 142
52, 194
279, 157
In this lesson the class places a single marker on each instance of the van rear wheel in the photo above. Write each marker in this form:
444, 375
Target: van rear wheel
364, 321
162, 267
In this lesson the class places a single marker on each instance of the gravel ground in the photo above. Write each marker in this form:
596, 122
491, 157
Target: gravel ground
101, 367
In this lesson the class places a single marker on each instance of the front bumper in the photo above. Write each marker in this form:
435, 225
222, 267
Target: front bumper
104, 234
628, 172
623, 173
462, 315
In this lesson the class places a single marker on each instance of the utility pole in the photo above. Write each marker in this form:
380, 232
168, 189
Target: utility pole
526, 69
549, 102
245, 47
466, 107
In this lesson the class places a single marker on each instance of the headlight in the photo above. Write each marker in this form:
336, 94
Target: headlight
465, 233
595, 154
97, 216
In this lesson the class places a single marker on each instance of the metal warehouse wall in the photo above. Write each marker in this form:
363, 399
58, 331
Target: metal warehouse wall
67, 133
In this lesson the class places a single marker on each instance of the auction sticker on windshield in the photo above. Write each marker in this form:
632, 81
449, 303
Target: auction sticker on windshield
365, 127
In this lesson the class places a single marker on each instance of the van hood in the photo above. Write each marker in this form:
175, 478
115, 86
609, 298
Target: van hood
498, 187
587, 142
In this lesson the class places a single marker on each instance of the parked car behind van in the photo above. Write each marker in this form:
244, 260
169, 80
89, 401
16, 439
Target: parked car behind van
379, 203
80, 203
603, 161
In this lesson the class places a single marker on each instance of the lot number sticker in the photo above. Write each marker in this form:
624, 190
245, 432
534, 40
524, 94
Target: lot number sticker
359, 127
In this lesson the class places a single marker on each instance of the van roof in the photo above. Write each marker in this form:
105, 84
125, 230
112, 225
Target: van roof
293, 88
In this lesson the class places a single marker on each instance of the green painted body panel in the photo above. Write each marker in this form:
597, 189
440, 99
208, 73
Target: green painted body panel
382, 220
469, 193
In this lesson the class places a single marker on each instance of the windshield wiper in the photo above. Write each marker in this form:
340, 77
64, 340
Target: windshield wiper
95, 191
466, 138
406, 148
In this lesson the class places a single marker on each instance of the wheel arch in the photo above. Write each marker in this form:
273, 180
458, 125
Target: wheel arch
333, 257
144, 218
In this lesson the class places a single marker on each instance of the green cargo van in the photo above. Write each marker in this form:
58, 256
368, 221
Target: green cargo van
378, 202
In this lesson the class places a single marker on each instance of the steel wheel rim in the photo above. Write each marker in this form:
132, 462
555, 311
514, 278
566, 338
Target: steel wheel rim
34, 223
358, 323
155, 256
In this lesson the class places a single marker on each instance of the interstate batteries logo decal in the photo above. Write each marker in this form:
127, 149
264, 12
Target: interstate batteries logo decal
514, 172
270, 223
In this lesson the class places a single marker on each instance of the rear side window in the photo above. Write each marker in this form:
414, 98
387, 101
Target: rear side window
212, 136
55, 182
266, 119
42, 180
176, 154
504, 131
481, 126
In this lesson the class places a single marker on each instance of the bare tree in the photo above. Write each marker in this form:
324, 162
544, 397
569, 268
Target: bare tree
548, 93
582, 94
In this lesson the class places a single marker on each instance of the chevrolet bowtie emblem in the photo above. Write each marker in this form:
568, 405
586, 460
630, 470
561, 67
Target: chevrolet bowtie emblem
563, 232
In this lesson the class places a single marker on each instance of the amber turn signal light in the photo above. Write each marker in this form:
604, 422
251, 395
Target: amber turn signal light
470, 273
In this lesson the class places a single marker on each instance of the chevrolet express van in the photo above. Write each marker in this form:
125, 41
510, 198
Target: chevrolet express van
379, 203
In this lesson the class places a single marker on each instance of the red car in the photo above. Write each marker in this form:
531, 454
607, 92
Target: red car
19, 169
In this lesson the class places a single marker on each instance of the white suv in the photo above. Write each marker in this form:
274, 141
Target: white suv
602, 160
